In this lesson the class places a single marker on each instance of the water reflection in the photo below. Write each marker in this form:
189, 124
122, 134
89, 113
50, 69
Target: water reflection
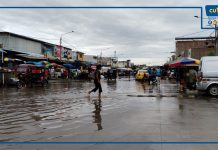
97, 114
62, 108
181, 107
112, 85
140, 87
151, 88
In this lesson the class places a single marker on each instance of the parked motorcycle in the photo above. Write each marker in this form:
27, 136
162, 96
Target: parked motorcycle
15, 82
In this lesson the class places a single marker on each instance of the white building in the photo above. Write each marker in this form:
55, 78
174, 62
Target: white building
124, 64
91, 59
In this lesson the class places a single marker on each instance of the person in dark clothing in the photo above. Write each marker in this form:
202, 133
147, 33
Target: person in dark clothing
153, 76
97, 82
108, 74
149, 75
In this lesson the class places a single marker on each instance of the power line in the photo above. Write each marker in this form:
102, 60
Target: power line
68, 44
211, 33
193, 33
43, 38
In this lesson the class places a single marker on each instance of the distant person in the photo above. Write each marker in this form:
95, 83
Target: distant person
78, 72
144, 78
158, 75
187, 79
153, 76
108, 74
115, 74
129, 74
181, 79
97, 78
65, 74
149, 75
192, 79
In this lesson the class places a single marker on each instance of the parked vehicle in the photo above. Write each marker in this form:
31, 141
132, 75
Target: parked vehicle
29, 74
103, 70
208, 75
124, 72
14, 82
142, 75
111, 74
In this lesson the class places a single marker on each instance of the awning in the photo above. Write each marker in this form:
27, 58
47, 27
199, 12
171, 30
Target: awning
11, 59
69, 66
32, 56
1, 50
38, 64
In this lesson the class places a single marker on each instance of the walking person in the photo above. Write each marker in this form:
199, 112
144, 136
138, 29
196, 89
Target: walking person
129, 73
181, 79
192, 79
158, 75
187, 79
153, 76
149, 75
97, 78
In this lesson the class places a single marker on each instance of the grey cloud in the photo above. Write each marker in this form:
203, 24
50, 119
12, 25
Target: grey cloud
131, 32
105, 2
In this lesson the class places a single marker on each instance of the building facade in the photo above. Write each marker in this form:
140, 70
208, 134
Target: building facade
76, 55
124, 64
19, 43
23, 44
105, 61
80, 56
195, 47
91, 59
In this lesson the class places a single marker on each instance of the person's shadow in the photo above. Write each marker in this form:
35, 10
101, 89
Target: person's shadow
97, 114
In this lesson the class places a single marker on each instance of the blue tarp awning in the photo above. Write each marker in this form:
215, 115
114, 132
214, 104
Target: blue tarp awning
38, 64
69, 66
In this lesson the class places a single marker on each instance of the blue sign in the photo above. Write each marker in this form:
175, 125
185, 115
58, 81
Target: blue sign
211, 10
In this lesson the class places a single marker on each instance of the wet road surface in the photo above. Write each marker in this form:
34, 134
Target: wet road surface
128, 111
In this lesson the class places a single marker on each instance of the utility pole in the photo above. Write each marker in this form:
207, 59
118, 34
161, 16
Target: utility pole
60, 50
3, 75
216, 39
61, 41
101, 58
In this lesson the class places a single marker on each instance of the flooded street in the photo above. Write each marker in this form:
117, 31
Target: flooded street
128, 111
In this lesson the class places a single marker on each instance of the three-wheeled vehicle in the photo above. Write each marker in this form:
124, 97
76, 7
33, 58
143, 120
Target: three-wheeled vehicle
111, 74
29, 74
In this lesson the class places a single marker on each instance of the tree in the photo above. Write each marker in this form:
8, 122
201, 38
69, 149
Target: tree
211, 54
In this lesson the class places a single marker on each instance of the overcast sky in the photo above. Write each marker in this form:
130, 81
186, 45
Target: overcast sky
142, 35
